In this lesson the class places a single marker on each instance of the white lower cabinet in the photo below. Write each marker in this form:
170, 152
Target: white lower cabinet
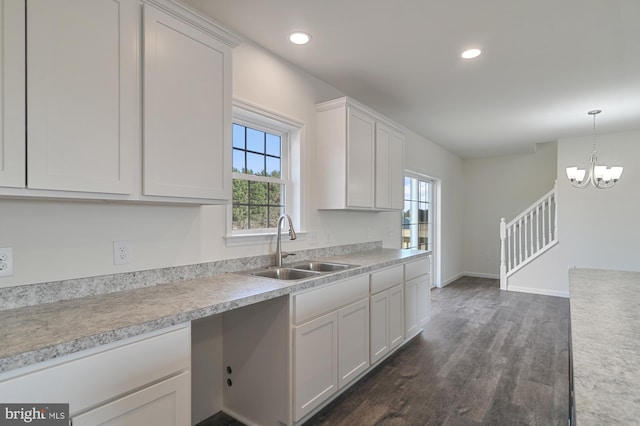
387, 311
417, 296
144, 380
315, 364
353, 341
330, 341
166, 403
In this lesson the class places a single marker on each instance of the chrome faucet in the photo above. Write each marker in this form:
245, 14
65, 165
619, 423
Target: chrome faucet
292, 236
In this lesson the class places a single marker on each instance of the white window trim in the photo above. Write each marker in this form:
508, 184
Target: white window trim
435, 200
245, 113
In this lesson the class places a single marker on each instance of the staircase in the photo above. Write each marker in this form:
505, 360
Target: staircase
528, 235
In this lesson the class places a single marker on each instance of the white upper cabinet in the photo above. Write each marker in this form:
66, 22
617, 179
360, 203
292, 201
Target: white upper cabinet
389, 168
351, 173
187, 110
81, 105
102, 75
12, 96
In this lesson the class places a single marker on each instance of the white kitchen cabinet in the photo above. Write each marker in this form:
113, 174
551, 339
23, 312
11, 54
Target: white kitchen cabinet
346, 135
166, 403
102, 75
330, 341
396, 316
417, 292
12, 94
353, 341
387, 311
126, 381
360, 158
315, 363
82, 81
379, 325
389, 171
187, 110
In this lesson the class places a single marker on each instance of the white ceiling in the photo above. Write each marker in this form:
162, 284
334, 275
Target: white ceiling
545, 63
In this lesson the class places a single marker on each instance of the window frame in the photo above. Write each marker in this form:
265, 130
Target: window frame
291, 133
430, 216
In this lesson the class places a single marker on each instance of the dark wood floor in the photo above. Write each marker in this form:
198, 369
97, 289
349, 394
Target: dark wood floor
486, 358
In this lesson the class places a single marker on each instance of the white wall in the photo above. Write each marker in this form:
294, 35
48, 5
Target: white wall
497, 187
596, 228
56, 240
427, 158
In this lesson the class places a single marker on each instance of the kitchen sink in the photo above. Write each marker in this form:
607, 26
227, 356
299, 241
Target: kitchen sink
321, 266
285, 273
300, 270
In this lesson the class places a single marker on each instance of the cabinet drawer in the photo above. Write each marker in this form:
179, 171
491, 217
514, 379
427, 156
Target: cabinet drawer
417, 268
326, 299
91, 377
387, 278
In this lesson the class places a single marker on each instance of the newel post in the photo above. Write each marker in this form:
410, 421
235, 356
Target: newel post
503, 263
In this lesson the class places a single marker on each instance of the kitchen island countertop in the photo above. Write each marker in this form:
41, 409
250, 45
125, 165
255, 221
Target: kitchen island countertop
605, 337
45, 331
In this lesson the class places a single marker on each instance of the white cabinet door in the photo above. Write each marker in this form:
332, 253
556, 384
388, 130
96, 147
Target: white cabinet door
411, 308
315, 365
353, 341
396, 316
187, 110
389, 168
82, 94
379, 326
12, 94
424, 299
360, 147
396, 173
167, 403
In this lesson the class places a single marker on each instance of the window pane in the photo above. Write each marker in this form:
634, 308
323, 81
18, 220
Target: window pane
255, 140
423, 213
240, 217
407, 188
423, 192
238, 136
257, 217
255, 164
273, 145
240, 191
238, 161
273, 166
275, 194
274, 215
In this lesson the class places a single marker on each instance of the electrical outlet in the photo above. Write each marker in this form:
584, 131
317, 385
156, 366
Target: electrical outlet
121, 252
6, 261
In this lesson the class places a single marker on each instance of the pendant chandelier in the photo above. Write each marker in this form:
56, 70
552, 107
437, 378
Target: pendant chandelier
601, 177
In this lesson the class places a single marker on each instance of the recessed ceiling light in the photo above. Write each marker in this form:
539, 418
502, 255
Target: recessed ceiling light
471, 53
299, 38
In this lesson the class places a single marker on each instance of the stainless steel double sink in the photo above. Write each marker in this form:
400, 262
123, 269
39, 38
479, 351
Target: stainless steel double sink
300, 270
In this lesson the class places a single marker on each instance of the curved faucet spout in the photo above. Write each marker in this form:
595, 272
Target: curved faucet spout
292, 236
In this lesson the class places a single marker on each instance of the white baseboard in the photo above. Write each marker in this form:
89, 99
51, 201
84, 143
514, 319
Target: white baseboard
450, 280
542, 291
481, 275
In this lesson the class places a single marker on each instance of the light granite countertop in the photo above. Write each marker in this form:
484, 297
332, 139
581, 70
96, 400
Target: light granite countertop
45, 331
605, 337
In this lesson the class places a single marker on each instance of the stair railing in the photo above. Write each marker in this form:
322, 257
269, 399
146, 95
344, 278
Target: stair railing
528, 235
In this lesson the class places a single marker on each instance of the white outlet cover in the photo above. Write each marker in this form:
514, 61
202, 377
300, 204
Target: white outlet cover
121, 252
6, 261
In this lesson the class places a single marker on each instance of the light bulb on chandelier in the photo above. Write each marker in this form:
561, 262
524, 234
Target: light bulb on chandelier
601, 177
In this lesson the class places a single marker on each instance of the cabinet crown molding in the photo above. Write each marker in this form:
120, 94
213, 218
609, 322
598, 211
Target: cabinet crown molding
195, 18
350, 102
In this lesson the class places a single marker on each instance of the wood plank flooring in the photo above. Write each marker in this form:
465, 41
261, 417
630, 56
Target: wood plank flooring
486, 358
